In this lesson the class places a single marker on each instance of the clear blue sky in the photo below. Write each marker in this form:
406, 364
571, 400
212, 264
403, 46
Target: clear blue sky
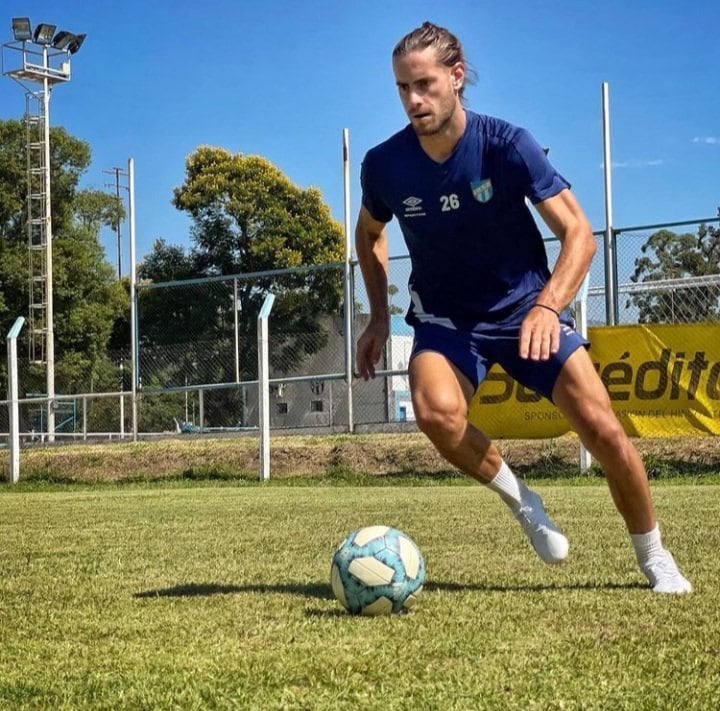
282, 79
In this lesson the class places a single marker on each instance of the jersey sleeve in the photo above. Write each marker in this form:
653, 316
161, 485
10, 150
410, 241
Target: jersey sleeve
371, 199
537, 175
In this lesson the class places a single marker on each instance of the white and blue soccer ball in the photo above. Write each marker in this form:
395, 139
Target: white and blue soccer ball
377, 570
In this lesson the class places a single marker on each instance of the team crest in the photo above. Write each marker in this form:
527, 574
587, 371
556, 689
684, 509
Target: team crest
482, 190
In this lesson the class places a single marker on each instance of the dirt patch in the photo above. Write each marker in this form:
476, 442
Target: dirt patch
318, 456
413, 453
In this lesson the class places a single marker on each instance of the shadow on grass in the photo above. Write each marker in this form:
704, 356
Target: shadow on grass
522, 588
313, 590
322, 591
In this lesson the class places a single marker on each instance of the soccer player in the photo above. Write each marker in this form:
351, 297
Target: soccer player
481, 291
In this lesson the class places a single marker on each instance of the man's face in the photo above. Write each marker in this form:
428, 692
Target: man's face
428, 90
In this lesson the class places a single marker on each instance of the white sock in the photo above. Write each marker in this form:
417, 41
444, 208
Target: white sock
507, 485
647, 545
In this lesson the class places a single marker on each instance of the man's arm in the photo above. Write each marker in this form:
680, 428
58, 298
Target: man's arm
564, 216
540, 331
372, 252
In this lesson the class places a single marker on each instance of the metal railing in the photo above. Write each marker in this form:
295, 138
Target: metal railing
197, 352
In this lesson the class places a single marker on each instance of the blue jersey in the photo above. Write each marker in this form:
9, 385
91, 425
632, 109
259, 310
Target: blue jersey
478, 259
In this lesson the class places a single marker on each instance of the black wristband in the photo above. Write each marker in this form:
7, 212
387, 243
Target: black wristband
549, 308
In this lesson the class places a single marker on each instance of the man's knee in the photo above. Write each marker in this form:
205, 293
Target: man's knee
607, 434
440, 415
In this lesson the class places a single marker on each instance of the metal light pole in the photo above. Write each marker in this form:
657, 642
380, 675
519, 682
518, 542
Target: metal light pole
611, 296
53, 52
133, 299
349, 297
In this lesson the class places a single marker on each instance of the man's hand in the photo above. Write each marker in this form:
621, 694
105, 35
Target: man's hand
540, 333
370, 346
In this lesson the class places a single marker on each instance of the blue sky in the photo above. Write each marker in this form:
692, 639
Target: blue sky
282, 79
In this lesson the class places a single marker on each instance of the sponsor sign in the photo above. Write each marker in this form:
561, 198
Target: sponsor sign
663, 381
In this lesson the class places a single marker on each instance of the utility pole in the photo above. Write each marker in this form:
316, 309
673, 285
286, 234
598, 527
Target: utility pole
117, 172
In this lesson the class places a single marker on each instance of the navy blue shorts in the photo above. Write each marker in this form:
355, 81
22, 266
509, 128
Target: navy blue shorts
474, 353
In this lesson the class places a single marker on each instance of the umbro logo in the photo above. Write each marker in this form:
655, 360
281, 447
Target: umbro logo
413, 207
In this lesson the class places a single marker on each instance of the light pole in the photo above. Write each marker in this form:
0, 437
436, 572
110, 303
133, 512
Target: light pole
44, 57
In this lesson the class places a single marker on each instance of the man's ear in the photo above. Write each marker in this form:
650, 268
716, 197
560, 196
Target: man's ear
457, 75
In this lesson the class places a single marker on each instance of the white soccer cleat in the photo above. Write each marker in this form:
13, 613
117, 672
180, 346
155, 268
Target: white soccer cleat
547, 540
664, 576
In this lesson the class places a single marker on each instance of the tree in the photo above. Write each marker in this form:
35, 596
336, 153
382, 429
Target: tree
87, 298
393, 308
667, 255
247, 218
88, 301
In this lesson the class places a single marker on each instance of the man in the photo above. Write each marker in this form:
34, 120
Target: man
481, 291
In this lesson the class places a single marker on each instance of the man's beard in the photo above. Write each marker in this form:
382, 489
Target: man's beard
438, 125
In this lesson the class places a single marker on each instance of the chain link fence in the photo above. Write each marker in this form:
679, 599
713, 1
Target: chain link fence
197, 347
650, 297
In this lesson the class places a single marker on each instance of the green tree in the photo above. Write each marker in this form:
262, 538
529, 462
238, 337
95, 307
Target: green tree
88, 301
167, 262
667, 255
393, 308
247, 217
87, 298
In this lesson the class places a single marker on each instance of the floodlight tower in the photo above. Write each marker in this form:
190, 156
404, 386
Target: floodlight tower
41, 57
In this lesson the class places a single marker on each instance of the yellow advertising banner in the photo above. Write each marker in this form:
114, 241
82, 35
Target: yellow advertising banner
663, 381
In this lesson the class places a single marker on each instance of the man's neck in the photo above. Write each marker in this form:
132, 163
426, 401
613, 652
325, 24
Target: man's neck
439, 146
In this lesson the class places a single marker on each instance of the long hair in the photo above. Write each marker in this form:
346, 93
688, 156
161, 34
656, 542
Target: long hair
448, 47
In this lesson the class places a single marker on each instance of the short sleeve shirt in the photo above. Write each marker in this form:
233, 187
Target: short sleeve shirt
478, 259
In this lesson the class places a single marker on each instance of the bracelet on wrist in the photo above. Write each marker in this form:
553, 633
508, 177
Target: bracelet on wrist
549, 308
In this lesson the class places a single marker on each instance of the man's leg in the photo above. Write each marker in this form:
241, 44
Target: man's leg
583, 399
441, 394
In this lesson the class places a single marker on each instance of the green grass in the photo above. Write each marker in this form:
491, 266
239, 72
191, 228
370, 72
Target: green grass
217, 597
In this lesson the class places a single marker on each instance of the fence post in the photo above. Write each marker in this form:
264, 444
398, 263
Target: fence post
582, 327
134, 327
349, 293
13, 410
611, 302
263, 386
236, 327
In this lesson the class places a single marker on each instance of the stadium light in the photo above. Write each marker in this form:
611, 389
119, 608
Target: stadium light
44, 33
63, 39
68, 41
76, 43
22, 30
55, 50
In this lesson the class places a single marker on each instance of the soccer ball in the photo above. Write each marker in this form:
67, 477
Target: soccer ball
377, 570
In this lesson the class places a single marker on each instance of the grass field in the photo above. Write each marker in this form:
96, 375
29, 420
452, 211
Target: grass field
212, 595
